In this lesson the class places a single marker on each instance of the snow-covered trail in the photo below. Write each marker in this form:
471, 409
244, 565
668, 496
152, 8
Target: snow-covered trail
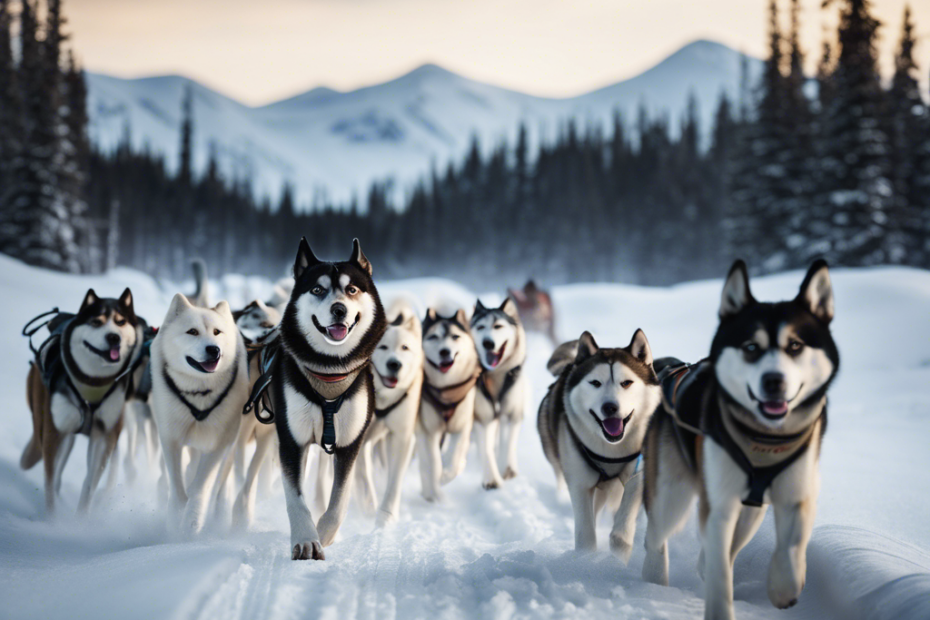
505, 553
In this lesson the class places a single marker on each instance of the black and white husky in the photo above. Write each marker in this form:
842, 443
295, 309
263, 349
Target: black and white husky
591, 423
200, 384
78, 384
322, 388
447, 409
398, 372
741, 430
499, 403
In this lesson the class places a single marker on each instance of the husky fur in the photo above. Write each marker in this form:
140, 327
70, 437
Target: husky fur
591, 423
742, 430
97, 352
199, 387
500, 399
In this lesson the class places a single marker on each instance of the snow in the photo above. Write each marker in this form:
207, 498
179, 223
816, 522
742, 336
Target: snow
507, 553
338, 143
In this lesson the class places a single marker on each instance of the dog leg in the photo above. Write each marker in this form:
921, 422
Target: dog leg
324, 482
64, 453
788, 570
509, 449
430, 453
201, 488
621, 536
343, 466
305, 541
100, 445
487, 433
55, 451
400, 449
113, 468
244, 508
718, 542
174, 476
667, 514
583, 507
132, 423
458, 451
365, 489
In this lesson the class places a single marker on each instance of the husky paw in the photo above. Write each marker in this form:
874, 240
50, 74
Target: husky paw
384, 519
432, 497
784, 588
308, 551
510, 473
447, 476
491, 485
621, 548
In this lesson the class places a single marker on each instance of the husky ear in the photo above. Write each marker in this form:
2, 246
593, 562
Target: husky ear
817, 291
639, 348
736, 294
125, 302
461, 318
222, 309
398, 320
305, 258
510, 308
89, 300
431, 314
359, 258
480, 308
586, 347
179, 303
413, 325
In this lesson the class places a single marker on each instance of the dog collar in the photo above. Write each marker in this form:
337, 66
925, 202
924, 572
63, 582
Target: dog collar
201, 414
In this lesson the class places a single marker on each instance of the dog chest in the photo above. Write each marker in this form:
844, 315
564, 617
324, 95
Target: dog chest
305, 418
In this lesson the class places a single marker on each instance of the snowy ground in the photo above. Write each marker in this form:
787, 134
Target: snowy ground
506, 553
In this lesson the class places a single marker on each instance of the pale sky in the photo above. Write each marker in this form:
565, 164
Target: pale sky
259, 51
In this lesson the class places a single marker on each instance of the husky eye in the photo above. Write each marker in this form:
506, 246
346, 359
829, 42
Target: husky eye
193, 332
626, 384
455, 336
751, 347
382, 347
119, 322
595, 383
794, 347
96, 323
432, 337
404, 347
266, 324
479, 328
216, 332
317, 290
499, 326
352, 290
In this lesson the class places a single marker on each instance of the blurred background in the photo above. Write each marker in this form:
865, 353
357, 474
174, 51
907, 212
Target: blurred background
488, 142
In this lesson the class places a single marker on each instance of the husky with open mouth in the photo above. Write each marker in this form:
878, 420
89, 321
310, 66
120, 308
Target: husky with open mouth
447, 409
398, 373
499, 403
320, 384
591, 423
79, 383
741, 430
200, 384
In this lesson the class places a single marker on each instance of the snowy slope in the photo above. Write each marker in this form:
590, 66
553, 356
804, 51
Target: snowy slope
325, 140
506, 553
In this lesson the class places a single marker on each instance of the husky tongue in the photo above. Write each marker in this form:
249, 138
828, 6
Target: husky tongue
114, 354
389, 381
210, 366
613, 426
775, 407
337, 331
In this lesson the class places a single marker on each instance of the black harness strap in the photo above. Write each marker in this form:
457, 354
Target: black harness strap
510, 379
381, 413
265, 413
593, 458
201, 414
447, 408
330, 409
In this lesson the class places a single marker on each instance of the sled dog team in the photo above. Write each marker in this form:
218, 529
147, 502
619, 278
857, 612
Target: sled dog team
325, 365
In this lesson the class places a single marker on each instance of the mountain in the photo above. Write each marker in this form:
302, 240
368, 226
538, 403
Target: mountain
333, 144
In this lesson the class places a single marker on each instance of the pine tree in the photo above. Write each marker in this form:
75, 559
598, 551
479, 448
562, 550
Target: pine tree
9, 126
185, 173
75, 160
855, 200
907, 128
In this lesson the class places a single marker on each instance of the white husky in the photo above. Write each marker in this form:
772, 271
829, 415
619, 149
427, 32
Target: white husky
199, 387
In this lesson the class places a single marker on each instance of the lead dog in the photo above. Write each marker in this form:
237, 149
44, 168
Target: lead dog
398, 372
447, 409
500, 400
591, 423
199, 387
78, 384
320, 384
742, 429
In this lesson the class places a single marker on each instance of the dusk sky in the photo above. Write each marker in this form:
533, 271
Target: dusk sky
261, 51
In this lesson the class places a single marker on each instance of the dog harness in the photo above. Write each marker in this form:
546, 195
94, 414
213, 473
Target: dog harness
446, 400
593, 459
510, 379
201, 414
690, 385
382, 413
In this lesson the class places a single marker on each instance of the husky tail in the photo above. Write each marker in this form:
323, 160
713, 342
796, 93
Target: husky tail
201, 296
38, 399
563, 355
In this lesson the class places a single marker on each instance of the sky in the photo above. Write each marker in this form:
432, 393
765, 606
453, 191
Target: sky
259, 51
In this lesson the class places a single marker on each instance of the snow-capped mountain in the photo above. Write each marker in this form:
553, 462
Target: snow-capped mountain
336, 143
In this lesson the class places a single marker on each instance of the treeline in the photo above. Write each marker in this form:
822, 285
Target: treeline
837, 166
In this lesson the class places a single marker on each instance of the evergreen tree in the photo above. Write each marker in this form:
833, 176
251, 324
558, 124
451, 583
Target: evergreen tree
185, 173
75, 157
8, 100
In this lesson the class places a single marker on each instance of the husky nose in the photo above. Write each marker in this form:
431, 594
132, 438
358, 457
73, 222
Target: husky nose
488, 344
339, 311
394, 366
213, 352
445, 353
610, 409
773, 384
113, 340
